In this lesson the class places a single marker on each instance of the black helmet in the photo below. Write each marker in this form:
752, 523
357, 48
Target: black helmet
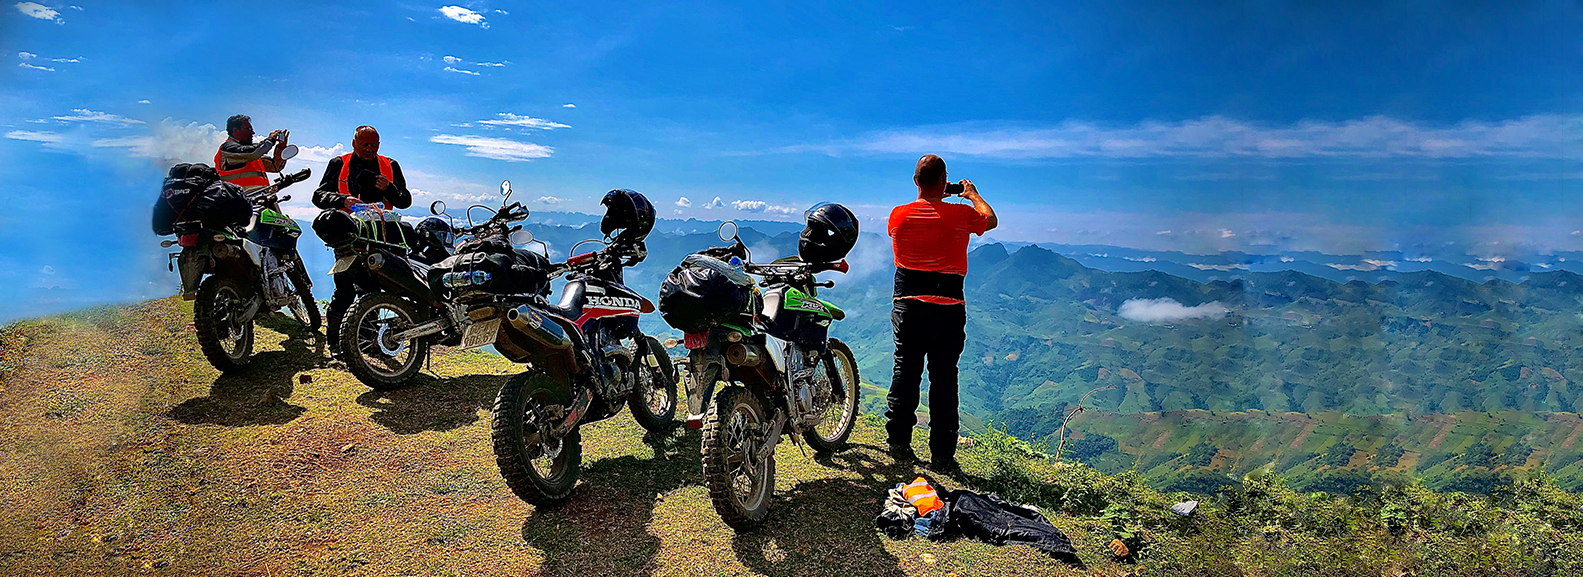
438, 228
629, 212
831, 232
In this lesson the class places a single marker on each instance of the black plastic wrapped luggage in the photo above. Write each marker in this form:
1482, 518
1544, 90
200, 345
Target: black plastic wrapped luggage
194, 192
704, 291
508, 271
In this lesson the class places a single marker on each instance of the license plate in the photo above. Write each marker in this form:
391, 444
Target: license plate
481, 333
695, 340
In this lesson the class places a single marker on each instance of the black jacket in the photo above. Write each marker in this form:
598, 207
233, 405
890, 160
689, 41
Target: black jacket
361, 184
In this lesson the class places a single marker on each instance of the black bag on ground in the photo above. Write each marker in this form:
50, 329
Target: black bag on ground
510, 270
702, 292
195, 192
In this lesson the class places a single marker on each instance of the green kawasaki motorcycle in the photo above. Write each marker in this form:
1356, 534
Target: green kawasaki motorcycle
233, 273
783, 375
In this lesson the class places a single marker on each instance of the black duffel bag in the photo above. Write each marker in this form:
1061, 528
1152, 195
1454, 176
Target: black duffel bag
195, 192
702, 292
510, 270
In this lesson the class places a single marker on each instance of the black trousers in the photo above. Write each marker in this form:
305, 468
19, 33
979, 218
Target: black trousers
927, 335
345, 294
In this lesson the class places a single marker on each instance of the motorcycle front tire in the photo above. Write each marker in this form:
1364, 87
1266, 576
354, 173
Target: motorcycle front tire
665, 376
516, 442
741, 512
352, 341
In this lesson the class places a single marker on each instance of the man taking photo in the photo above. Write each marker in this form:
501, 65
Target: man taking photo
929, 237
241, 162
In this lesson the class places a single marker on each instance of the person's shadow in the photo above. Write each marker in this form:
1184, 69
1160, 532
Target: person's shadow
433, 404
826, 526
257, 394
603, 528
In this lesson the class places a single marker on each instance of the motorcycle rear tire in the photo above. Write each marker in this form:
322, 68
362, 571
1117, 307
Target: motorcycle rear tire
209, 323
351, 342
510, 433
638, 401
739, 514
298, 275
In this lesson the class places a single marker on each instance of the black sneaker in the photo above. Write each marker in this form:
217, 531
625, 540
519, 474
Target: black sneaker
903, 454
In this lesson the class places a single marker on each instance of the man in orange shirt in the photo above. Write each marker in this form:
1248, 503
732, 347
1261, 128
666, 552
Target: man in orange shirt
929, 237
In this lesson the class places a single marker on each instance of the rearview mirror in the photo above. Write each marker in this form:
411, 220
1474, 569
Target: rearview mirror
505, 190
725, 227
520, 237
437, 207
289, 152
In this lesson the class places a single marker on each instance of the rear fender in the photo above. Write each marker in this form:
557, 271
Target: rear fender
704, 370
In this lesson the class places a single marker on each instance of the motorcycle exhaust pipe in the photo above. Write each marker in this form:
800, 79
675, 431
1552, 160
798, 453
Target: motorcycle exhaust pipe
538, 327
744, 354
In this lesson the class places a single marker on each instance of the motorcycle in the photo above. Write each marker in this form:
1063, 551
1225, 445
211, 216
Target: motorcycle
784, 376
233, 273
587, 358
386, 333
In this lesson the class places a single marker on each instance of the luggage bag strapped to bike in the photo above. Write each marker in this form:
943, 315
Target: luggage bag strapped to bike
195, 192
704, 291
493, 266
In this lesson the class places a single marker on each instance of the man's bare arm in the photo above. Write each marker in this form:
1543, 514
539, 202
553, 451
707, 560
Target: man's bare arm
970, 193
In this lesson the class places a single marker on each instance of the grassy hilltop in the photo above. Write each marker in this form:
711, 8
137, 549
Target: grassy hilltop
123, 452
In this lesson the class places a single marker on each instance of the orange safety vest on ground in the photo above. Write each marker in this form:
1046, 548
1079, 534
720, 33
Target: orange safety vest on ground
346, 174
249, 177
922, 496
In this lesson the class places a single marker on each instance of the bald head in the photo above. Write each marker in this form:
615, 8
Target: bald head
365, 142
930, 175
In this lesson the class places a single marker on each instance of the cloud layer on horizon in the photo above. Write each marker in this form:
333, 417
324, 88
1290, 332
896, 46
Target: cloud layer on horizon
1535, 136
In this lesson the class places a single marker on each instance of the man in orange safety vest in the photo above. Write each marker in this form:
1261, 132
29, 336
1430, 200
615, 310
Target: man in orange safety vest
241, 162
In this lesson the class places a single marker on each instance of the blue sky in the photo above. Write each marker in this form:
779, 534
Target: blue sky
1195, 126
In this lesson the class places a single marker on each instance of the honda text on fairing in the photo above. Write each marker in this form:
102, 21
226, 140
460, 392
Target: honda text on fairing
232, 273
586, 357
783, 374
403, 307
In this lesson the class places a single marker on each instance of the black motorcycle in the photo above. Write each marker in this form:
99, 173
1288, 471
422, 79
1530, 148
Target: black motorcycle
403, 308
586, 356
232, 273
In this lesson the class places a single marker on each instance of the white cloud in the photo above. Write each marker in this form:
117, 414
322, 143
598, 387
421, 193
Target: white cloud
761, 206
39, 11
716, 203
496, 148
145, 101
320, 153
550, 200
1538, 136
171, 142
26, 55
568, 105
44, 68
683, 202
75, 7
451, 59
503, 12
65, 60
509, 119
45, 137
47, 270
493, 64
85, 115
1226, 233
454, 69
464, 15
1168, 310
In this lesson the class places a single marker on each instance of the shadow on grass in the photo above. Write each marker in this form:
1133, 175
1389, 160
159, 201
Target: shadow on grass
826, 526
603, 528
433, 404
256, 395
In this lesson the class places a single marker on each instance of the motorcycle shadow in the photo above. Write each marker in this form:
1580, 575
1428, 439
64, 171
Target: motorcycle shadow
826, 526
433, 404
603, 528
256, 395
